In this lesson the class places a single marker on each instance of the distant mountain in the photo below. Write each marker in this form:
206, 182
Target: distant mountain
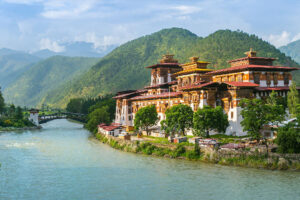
292, 50
13, 64
31, 87
74, 49
124, 67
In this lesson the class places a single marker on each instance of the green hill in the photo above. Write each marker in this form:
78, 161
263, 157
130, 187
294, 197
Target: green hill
13, 64
31, 87
124, 68
293, 50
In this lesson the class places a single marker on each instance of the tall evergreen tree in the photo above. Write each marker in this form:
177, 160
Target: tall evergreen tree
293, 99
2, 103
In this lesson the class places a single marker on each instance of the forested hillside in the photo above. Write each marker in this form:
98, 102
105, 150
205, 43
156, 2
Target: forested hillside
32, 86
13, 64
292, 50
124, 68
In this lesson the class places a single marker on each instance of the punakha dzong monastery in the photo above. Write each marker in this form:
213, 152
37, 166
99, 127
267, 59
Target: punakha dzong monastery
195, 85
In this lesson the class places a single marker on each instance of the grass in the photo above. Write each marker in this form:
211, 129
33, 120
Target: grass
149, 148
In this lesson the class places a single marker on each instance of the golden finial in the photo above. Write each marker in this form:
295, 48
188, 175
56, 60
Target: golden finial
250, 53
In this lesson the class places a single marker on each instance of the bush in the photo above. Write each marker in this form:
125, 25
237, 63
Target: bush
288, 139
179, 151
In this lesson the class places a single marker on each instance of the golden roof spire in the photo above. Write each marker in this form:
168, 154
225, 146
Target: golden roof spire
250, 53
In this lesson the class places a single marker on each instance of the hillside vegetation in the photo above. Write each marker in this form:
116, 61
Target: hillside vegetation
13, 64
32, 86
124, 68
292, 50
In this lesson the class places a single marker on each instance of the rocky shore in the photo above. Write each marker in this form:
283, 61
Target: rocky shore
242, 158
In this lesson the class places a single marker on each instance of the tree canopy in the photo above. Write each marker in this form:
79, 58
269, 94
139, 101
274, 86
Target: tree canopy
256, 113
207, 119
293, 99
179, 118
145, 118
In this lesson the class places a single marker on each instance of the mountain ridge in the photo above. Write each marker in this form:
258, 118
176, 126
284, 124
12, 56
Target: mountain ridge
124, 67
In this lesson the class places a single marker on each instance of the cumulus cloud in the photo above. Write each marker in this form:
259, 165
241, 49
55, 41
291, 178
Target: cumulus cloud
282, 39
46, 43
185, 9
56, 9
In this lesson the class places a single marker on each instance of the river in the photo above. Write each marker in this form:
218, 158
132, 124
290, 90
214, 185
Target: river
63, 161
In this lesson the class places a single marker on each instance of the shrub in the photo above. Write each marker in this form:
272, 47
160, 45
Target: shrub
288, 139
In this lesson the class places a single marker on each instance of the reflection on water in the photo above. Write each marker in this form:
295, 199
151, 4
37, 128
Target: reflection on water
62, 161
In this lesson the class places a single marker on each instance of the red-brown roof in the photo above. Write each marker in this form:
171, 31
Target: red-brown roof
252, 67
172, 65
110, 127
242, 84
273, 88
253, 58
157, 96
129, 94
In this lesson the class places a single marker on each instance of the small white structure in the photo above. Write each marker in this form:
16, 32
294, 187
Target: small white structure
34, 116
113, 129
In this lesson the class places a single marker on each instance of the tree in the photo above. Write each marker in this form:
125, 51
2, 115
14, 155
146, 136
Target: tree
293, 99
288, 139
19, 113
277, 108
145, 118
100, 115
255, 115
178, 118
74, 105
208, 119
2, 103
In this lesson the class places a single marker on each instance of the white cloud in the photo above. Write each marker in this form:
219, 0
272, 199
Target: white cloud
56, 9
46, 43
296, 37
28, 2
279, 40
185, 9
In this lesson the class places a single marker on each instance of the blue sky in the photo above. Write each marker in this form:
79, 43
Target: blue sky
38, 24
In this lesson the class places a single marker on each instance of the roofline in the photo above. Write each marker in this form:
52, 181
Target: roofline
176, 65
245, 58
252, 67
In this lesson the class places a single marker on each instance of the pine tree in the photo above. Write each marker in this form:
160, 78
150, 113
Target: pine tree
2, 103
293, 99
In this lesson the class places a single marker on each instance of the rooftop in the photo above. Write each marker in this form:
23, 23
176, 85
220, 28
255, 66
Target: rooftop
252, 67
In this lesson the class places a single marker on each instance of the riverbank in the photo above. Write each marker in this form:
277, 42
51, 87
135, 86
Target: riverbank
8, 129
241, 158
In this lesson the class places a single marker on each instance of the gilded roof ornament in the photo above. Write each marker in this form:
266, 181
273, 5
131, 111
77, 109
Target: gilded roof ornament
250, 53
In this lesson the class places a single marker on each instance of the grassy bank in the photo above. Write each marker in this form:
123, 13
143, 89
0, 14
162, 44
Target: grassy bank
188, 152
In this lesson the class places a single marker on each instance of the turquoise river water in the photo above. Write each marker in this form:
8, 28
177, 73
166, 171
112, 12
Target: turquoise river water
63, 161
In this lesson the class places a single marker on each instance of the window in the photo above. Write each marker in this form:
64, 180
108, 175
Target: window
256, 78
268, 77
286, 79
275, 79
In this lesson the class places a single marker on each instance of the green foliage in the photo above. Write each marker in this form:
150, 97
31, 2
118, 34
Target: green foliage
124, 68
256, 114
98, 116
74, 105
145, 118
293, 99
32, 86
207, 119
277, 107
292, 49
178, 119
2, 103
288, 139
